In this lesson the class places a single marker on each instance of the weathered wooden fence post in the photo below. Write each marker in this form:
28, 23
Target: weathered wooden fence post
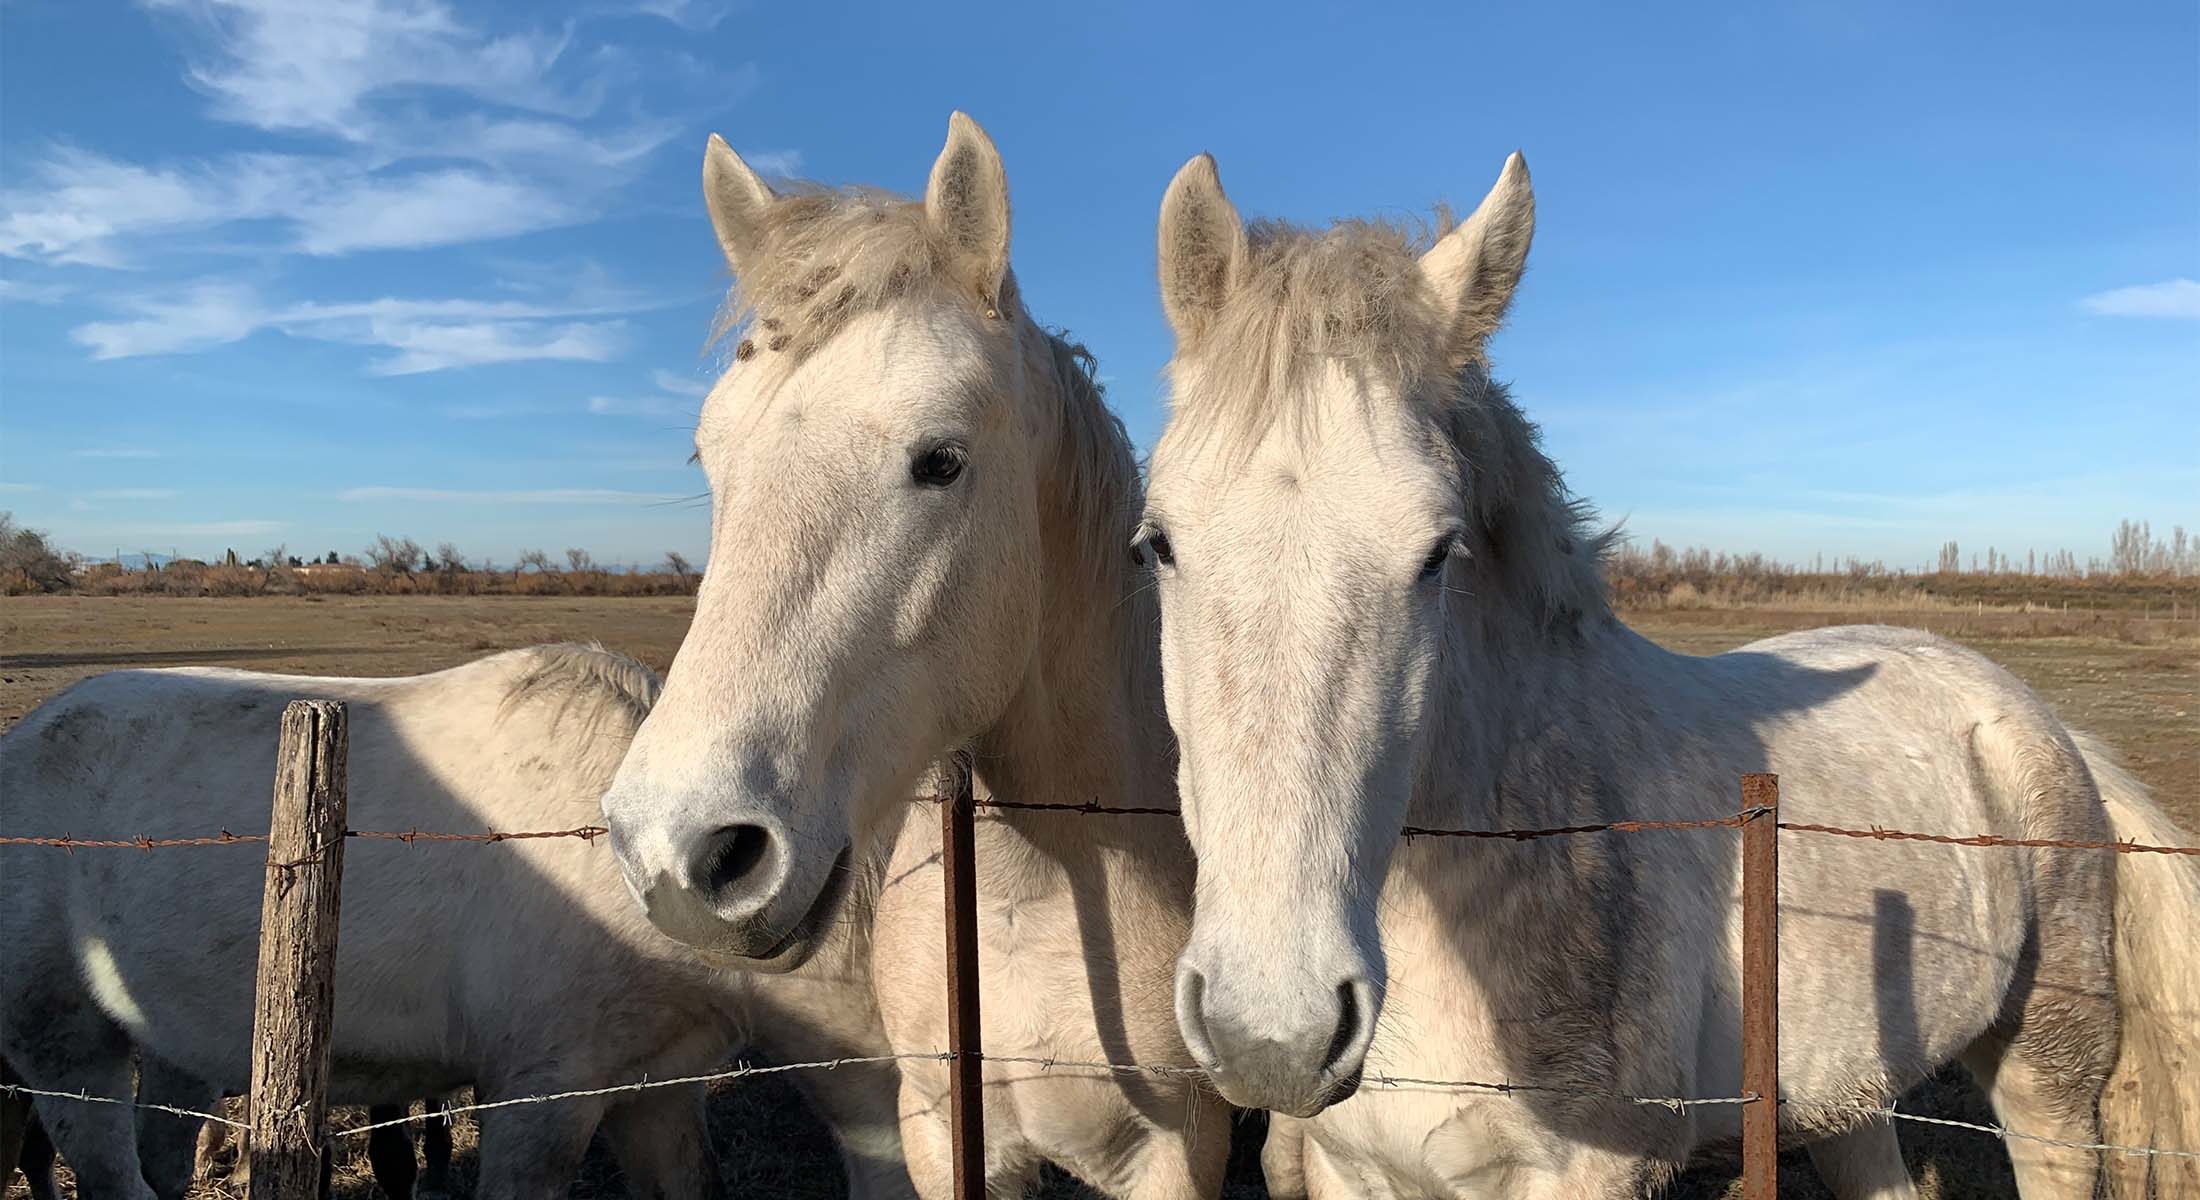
966, 1094
1761, 986
295, 1002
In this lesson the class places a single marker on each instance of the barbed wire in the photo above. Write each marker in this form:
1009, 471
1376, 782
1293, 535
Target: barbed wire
1876, 833
1528, 835
1379, 1079
642, 1085
589, 833
586, 833
1090, 808
2006, 1134
68, 842
17, 1089
1677, 1104
1095, 808
1410, 832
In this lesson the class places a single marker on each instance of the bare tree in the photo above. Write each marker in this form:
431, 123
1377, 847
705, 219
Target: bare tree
393, 556
579, 560
536, 559
448, 557
278, 563
1951, 558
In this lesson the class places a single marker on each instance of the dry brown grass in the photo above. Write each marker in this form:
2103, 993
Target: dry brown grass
2134, 681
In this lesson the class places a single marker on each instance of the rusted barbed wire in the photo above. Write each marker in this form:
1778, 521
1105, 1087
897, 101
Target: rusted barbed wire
586, 833
66, 842
589, 833
1410, 832
1983, 839
1528, 835
1090, 808
1095, 808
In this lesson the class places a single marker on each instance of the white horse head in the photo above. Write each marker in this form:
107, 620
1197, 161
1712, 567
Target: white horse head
1322, 517
867, 602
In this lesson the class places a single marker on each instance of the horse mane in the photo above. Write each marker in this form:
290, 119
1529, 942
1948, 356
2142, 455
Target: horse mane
1352, 295
607, 691
1097, 472
828, 254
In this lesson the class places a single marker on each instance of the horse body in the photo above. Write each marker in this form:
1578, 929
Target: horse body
520, 969
1611, 967
925, 490
1439, 653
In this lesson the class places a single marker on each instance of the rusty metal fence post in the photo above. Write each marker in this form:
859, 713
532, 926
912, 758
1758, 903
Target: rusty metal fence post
966, 1065
294, 1002
1761, 986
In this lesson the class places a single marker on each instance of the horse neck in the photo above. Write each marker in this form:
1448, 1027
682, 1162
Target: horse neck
1530, 728
1087, 724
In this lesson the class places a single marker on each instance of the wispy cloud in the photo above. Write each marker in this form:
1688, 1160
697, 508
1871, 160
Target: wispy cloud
315, 65
677, 396
694, 15
678, 384
19, 488
134, 531
540, 496
428, 335
2178, 299
775, 162
402, 172
22, 292
437, 347
493, 410
640, 406
133, 494
115, 452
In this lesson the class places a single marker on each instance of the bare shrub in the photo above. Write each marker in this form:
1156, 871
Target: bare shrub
29, 562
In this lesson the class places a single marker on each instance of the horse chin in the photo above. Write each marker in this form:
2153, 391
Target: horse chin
802, 940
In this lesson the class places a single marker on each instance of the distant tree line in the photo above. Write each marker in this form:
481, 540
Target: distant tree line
2139, 566
30, 563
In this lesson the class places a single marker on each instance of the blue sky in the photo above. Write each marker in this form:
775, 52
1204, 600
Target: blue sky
1841, 277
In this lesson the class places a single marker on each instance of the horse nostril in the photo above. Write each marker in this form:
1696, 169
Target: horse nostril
1348, 1025
1191, 988
730, 856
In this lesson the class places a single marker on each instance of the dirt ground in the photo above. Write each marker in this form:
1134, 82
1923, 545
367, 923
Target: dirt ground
2135, 683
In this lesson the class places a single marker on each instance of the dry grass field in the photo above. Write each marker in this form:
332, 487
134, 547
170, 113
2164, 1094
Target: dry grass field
2134, 680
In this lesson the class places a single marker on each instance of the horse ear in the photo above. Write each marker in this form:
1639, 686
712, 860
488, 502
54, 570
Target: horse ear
967, 201
736, 197
1475, 268
1202, 249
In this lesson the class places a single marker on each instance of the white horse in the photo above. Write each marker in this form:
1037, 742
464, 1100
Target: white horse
520, 968
921, 505
1381, 608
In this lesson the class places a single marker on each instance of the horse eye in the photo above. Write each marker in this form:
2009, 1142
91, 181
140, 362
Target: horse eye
1151, 547
1433, 565
939, 466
